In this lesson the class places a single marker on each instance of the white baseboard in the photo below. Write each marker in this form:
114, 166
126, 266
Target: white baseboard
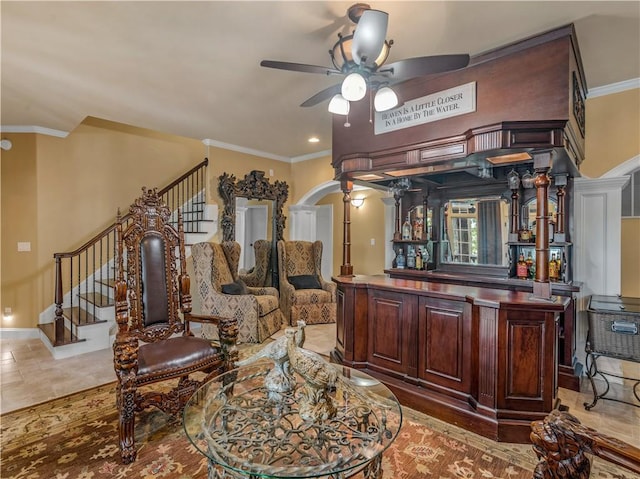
19, 333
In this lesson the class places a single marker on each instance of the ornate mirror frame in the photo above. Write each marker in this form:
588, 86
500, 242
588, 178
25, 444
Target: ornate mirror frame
254, 186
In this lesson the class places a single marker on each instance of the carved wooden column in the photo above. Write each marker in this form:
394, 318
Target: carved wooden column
346, 269
425, 217
541, 284
561, 184
513, 181
396, 234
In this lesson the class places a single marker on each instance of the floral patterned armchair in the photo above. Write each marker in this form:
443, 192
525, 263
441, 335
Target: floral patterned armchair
223, 294
304, 294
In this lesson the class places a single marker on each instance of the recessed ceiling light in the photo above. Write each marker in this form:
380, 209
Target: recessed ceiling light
314, 139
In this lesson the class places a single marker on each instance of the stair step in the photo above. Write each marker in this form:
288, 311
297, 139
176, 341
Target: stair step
98, 299
81, 317
111, 282
49, 329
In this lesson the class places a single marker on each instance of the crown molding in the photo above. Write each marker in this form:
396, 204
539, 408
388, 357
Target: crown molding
310, 156
614, 88
41, 130
248, 151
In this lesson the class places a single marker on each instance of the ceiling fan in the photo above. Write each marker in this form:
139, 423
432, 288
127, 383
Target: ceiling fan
360, 57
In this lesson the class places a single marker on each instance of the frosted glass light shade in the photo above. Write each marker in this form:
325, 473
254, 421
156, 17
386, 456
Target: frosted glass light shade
339, 105
385, 99
354, 87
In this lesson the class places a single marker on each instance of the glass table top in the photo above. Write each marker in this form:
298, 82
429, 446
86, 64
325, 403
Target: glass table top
245, 427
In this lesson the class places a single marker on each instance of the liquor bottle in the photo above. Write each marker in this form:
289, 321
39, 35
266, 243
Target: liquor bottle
529, 262
400, 260
417, 229
411, 258
521, 267
425, 257
419, 263
406, 229
553, 268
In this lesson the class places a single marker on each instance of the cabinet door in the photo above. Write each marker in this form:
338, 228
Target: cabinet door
444, 343
526, 360
391, 316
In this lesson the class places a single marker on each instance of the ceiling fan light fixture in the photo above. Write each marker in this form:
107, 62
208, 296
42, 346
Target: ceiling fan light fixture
339, 105
385, 99
369, 37
341, 55
354, 87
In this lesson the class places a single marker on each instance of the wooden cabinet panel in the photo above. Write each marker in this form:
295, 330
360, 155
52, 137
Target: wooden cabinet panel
389, 321
527, 342
524, 376
444, 339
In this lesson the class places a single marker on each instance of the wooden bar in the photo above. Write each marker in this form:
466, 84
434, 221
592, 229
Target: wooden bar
484, 359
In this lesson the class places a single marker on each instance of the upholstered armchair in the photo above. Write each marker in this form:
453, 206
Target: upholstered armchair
257, 311
152, 305
304, 294
257, 276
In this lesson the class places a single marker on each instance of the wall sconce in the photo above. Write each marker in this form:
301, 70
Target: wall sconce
357, 202
5, 144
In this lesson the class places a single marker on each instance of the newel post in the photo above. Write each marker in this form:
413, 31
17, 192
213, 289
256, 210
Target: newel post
59, 319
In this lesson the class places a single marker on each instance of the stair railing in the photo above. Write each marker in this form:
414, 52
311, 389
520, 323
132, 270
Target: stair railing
87, 273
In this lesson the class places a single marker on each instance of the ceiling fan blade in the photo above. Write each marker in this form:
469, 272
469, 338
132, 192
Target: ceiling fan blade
323, 95
369, 37
415, 67
298, 67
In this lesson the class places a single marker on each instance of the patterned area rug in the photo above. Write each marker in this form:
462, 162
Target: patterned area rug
75, 437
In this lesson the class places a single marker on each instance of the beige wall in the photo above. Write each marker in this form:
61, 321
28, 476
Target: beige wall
21, 280
366, 224
613, 131
309, 174
613, 137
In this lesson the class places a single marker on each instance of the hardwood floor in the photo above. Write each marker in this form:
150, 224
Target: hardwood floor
29, 375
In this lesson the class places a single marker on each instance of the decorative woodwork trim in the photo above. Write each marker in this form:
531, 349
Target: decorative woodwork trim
513, 135
253, 186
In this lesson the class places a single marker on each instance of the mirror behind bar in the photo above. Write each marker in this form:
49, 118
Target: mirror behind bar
475, 231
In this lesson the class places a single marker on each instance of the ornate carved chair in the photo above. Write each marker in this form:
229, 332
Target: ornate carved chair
257, 277
304, 294
150, 296
221, 293
563, 444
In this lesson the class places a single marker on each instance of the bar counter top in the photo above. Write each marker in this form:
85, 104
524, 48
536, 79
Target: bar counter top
477, 295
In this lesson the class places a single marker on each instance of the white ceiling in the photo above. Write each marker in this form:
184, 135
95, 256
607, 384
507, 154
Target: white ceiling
192, 68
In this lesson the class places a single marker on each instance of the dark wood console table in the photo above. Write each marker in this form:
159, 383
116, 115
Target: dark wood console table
482, 358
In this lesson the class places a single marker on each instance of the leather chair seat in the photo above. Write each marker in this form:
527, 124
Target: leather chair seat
169, 356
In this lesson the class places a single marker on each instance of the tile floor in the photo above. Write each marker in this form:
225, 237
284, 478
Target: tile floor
29, 375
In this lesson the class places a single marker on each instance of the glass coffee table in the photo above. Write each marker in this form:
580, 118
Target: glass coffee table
247, 430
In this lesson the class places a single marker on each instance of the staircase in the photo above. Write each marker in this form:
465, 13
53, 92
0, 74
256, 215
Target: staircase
83, 316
